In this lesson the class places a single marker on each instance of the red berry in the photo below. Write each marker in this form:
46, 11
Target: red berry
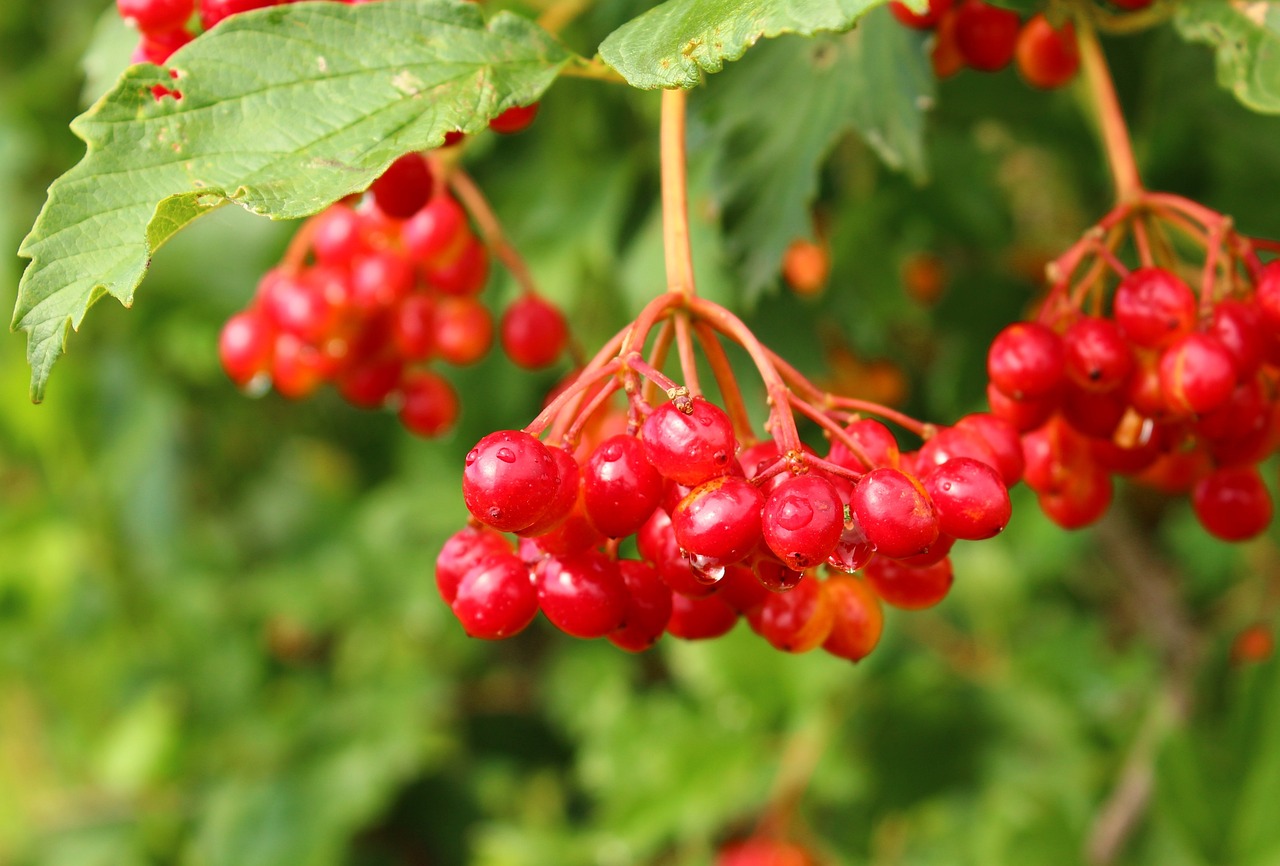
336, 235
464, 274
568, 493
926, 20
158, 47
437, 233
858, 618
533, 332
620, 487
297, 368
700, 618
805, 267
510, 479
798, 620
907, 587
496, 599
1003, 440
429, 404
718, 523
741, 590
1238, 326
874, 441
299, 304
1153, 307
763, 851
413, 327
946, 57
1232, 503
1081, 500
1097, 356
462, 330
802, 520
406, 185
1026, 360
380, 279
464, 550
986, 35
1022, 414
1197, 374
370, 382
156, 16
689, 448
1047, 56
245, 346
514, 119
582, 594
894, 511
648, 607
971, 499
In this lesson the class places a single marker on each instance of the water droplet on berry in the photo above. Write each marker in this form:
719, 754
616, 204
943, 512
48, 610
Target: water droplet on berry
473, 456
705, 570
506, 455
495, 514
720, 457
611, 452
795, 514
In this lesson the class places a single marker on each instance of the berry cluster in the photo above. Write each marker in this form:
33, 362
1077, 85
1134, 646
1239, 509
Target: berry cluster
1166, 373
981, 36
724, 526
370, 294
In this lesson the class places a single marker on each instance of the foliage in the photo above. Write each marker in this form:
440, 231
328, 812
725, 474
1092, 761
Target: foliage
220, 642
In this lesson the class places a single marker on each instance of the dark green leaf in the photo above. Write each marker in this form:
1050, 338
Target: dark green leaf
346, 91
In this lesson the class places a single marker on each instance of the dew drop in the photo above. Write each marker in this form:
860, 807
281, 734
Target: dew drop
473, 456
705, 569
611, 452
795, 514
506, 455
946, 485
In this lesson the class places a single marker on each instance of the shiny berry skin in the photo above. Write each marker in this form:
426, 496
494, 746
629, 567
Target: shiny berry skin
689, 448
1232, 503
463, 275
1080, 500
1026, 360
437, 232
772, 574
1022, 414
298, 369
336, 236
1003, 440
852, 550
413, 330
895, 513
906, 587
461, 330
464, 550
245, 346
1153, 307
970, 498
582, 594
798, 620
986, 35
858, 618
951, 442
926, 20
298, 304
1097, 355
514, 119
496, 599
568, 492
1047, 56
648, 607
874, 440
657, 543
740, 588
156, 16
620, 487
700, 618
370, 381
533, 332
406, 185
1197, 374
159, 47
380, 279
802, 520
1238, 326
429, 405
719, 521
510, 479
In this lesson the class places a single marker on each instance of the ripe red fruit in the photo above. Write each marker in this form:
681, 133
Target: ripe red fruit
582, 594
700, 618
648, 607
462, 330
464, 274
1097, 356
946, 57
689, 448
620, 487
873, 439
858, 617
464, 550
798, 620
1232, 503
1153, 307
926, 20
496, 598
514, 119
297, 368
1022, 414
1253, 644
369, 382
436, 233
510, 479
718, 523
1197, 374
986, 35
158, 47
1026, 360
380, 279
802, 520
568, 492
156, 16
971, 499
1238, 326
406, 185
1003, 440
336, 235
895, 513
533, 332
413, 327
1080, 500
908, 587
429, 405
245, 346
1047, 56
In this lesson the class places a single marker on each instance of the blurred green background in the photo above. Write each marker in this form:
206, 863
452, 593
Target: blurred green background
220, 640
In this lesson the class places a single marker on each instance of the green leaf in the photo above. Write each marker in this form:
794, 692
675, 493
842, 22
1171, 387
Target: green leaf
282, 111
1246, 36
673, 44
875, 80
